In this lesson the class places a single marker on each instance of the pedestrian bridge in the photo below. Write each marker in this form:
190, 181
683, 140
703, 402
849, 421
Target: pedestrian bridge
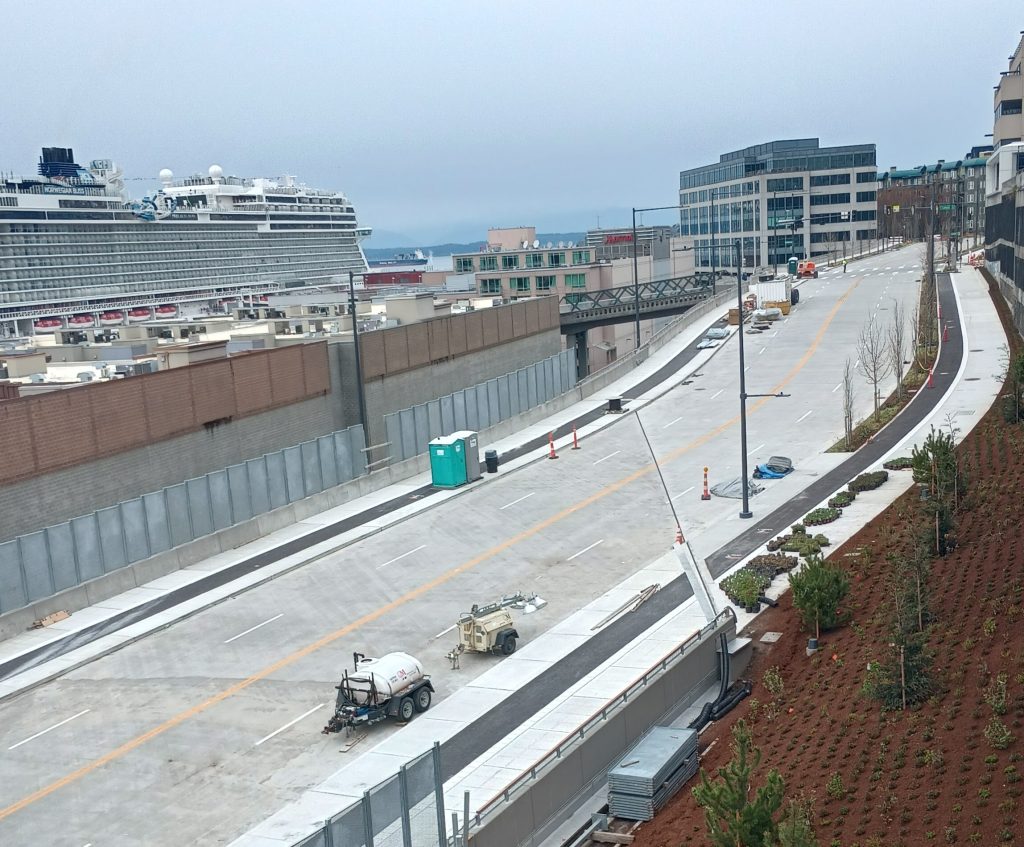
660, 298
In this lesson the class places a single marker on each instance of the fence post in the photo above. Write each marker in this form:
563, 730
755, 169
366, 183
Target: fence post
403, 802
442, 836
328, 835
367, 820
465, 818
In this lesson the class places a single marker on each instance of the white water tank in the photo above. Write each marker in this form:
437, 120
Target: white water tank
389, 675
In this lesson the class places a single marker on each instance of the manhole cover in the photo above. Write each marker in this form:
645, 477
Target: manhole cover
771, 637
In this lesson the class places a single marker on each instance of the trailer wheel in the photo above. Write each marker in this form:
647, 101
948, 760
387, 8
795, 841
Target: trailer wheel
422, 699
406, 709
508, 646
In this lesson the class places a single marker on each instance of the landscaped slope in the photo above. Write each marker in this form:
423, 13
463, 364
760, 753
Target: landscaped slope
946, 772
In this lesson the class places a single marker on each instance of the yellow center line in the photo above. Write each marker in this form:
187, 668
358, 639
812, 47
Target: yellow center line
415, 593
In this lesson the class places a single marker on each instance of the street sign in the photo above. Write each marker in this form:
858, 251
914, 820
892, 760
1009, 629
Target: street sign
895, 207
954, 235
947, 207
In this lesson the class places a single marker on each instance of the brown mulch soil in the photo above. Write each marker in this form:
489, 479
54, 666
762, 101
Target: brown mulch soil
927, 775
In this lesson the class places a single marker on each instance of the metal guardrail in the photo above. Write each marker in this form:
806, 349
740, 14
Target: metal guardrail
611, 707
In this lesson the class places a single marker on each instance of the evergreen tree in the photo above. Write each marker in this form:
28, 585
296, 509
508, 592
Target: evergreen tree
734, 817
795, 828
818, 589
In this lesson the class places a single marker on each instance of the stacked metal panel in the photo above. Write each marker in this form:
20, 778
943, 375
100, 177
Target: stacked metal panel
654, 769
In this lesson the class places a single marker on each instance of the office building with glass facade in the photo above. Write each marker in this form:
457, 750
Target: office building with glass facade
780, 199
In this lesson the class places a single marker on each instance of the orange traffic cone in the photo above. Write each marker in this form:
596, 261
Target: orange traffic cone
551, 446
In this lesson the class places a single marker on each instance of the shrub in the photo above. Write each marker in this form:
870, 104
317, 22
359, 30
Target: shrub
816, 517
841, 500
834, 787
868, 481
798, 529
778, 562
818, 589
744, 587
900, 463
998, 734
772, 680
995, 694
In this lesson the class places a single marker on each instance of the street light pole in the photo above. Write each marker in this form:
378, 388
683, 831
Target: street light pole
636, 289
360, 392
745, 512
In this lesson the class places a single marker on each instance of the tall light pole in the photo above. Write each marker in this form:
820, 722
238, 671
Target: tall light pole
360, 391
636, 289
745, 511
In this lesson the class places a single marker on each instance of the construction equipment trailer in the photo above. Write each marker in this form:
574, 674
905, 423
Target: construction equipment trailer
393, 686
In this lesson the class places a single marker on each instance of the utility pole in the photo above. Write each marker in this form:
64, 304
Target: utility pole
930, 252
360, 390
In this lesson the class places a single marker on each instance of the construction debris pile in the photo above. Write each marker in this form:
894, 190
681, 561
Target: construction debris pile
656, 767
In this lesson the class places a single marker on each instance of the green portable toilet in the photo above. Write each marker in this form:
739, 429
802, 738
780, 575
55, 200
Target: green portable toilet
447, 462
793, 263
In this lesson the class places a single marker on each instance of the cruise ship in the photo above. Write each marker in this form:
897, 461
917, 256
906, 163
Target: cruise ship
75, 252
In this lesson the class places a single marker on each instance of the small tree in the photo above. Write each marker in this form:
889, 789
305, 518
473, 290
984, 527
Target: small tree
1013, 410
905, 677
818, 589
795, 827
871, 349
944, 483
897, 344
735, 818
848, 403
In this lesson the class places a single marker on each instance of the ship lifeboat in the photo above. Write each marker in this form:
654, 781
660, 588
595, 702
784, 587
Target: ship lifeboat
112, 318
47, 324
79, 321
139, 314
166, 311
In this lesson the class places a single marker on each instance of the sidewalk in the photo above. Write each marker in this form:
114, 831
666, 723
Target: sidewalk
969, 395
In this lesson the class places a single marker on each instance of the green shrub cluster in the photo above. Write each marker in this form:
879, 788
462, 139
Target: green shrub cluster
842, 499
868, 481
900, 463
823, 515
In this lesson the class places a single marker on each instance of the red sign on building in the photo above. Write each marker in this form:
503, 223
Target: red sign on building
625, 238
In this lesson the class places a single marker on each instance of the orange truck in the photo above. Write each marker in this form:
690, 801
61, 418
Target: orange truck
807, 269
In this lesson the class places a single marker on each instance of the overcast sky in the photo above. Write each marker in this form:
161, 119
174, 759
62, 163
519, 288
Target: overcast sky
439, 119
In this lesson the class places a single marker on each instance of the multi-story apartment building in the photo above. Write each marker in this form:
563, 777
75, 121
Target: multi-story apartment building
515, 265
780, 199
905, 198
1004, 187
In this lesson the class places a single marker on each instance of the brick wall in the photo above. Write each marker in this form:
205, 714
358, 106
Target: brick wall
63, 429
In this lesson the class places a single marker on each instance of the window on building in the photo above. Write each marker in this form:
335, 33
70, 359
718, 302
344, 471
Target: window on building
575, 280
868, 215
866, 196
464, 264
829, 199
789, 183
556, 260
488, 263
519, 283
867, 176
867, 234
545, 283
1008, 107
829, 179
535, 260
509, 263
581, 257
830, 237
490, 286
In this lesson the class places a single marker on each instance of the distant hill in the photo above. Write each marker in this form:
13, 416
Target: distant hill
450, 247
